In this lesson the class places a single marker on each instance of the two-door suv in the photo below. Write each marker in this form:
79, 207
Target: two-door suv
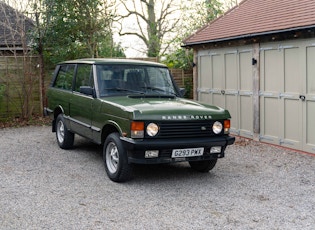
136, 111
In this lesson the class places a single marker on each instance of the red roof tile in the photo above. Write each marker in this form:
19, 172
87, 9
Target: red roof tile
254, 17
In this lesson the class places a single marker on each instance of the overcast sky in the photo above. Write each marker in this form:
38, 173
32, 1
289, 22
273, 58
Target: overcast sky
132, 45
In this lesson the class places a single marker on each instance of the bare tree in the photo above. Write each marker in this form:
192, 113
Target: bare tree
18, 75
155, 22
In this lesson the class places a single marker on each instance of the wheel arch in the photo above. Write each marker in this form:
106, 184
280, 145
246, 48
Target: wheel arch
109, 128
58, 110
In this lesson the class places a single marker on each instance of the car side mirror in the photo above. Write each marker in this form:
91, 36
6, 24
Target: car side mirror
87, 90
182, 91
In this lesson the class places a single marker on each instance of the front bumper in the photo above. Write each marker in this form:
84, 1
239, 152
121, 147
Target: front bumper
137, 148
48, 112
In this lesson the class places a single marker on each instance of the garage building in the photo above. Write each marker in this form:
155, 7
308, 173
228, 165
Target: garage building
258, 61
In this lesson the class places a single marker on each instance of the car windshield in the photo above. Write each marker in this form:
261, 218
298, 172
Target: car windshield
124, 79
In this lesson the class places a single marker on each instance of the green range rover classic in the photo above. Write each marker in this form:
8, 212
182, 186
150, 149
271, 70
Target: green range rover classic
136, 111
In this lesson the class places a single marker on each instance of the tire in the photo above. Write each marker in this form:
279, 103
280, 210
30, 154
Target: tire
64, 137
115, 159
203, 166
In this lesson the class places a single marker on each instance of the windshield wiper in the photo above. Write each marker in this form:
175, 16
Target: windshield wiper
153, 96
124, 90
158, 89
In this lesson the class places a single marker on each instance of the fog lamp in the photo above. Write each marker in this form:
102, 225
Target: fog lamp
151, 153
215, 149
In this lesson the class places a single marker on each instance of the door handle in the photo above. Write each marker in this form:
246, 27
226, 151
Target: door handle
302, 97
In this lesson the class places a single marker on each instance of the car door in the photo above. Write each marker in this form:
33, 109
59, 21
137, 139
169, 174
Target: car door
60, 93
81, 104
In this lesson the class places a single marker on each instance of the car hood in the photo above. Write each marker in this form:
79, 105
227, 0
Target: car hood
167, 108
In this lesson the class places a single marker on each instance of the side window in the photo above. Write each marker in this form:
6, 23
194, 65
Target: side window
84, 76
64, 78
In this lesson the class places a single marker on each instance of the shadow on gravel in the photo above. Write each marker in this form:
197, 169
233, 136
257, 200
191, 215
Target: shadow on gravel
168, 173
86, 145
144, 173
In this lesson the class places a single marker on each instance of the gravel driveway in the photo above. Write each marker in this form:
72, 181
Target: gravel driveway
256, 186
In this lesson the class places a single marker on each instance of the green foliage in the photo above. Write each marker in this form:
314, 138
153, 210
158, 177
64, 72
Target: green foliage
77, 29
196, 14
107, 50
204, 12
179, 59
2, 91
188, 83
212, 9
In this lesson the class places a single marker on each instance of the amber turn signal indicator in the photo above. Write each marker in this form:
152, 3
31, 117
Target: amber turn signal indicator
137, 126
137, 129
227, 124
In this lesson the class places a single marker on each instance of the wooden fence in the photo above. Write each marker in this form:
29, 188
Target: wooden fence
19, 87
184, 79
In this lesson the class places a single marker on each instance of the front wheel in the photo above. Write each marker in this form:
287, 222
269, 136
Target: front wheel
203, 166
65, 138
115, 159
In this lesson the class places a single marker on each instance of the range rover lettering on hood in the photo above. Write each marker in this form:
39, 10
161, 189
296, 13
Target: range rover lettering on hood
186, 117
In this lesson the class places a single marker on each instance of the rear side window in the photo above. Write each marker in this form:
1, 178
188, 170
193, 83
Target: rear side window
84, 76
64, 77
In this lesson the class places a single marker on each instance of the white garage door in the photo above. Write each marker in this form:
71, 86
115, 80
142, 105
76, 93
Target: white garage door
286, 91
225, 80
309, 104
287, 102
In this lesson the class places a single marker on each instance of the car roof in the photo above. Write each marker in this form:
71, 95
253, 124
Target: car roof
111, 61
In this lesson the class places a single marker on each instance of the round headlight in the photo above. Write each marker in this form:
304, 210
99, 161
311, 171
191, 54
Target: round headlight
217, 127
152, 129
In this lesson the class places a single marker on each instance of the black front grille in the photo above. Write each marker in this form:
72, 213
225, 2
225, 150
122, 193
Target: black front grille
182, 129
